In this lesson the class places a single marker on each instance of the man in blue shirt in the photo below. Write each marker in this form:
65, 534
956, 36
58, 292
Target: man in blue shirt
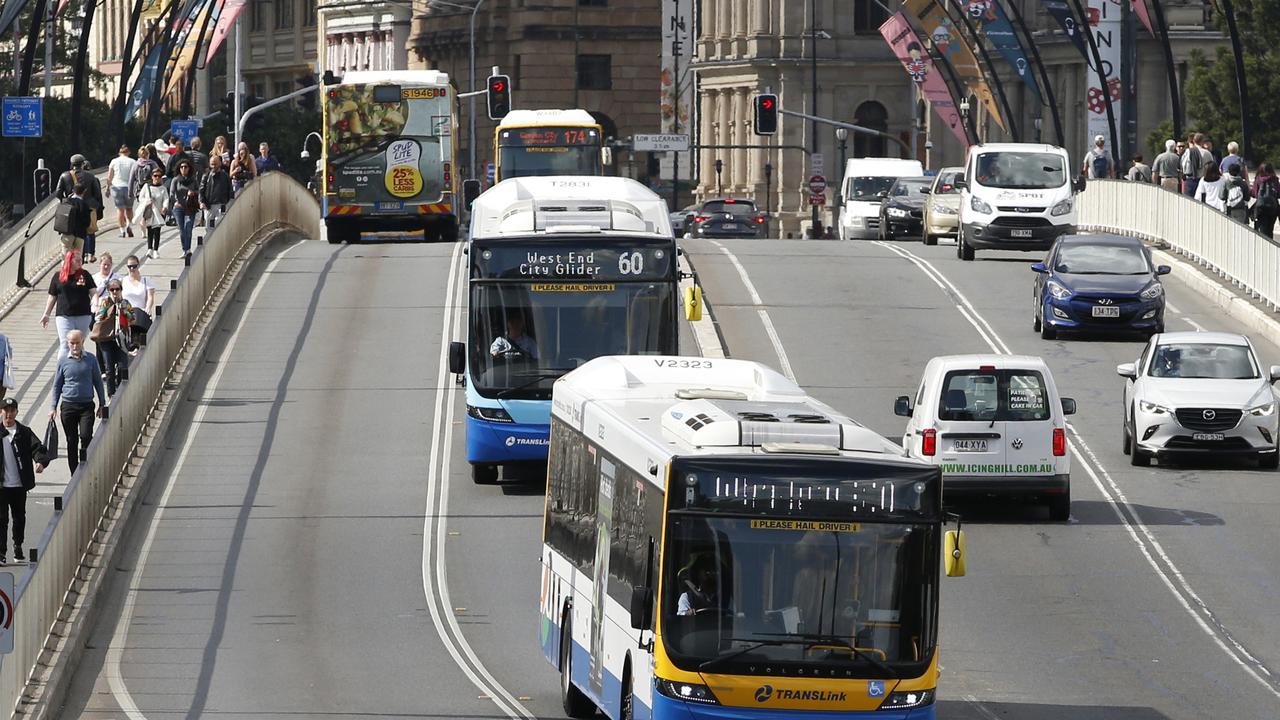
264, 162
75, 381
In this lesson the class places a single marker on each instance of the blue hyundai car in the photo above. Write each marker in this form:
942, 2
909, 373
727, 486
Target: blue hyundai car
1098, 283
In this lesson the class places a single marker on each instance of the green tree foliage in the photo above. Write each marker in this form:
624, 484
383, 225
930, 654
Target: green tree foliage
284, 128
1212, 94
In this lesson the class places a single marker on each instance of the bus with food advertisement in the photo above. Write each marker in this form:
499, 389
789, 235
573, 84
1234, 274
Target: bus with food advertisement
561, 270
718, 544
549, 142
389, 155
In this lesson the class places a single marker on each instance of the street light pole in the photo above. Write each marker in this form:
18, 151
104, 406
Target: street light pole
842, 135
813, 102
471, 51
48, 49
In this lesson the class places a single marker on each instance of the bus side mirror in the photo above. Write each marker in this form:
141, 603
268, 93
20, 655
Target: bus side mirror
1068, 406
693, 303
1274, 373
457, 358
606, 156
902, 406
954, 548
470, 191
641, 608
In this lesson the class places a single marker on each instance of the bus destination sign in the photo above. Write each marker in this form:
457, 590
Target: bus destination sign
580, 263
549, 137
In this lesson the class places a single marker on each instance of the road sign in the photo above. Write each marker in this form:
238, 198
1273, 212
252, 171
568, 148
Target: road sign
817, 185
185, 129
818, 199
6, 612
660, 143
490, 172
817, 164
22, 117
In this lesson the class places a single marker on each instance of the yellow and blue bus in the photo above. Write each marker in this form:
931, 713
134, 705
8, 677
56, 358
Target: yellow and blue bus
549, 142
717, 544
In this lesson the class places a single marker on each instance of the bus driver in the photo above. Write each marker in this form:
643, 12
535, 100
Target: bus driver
514, 344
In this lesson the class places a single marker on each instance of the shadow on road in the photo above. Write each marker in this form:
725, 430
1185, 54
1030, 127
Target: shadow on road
959, 710
1083, 512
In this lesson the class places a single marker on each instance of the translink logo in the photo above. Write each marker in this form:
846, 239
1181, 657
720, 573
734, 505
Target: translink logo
512, 441
764, 693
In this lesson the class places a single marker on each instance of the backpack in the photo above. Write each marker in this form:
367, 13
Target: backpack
1267, 194
1234, 195
67, 218
1100, 163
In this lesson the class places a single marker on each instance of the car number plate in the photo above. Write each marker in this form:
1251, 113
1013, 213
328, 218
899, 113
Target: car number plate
1020, 233
969, 445
1106, 311
1206, 436
731, 226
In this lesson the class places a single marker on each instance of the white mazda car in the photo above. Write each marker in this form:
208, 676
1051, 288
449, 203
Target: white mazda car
1200, 394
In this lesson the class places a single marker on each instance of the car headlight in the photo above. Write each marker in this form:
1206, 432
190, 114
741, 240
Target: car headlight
689, 692
978, 206
1154, 291
898, 212
489, 414
907, 699
1150, 407
1263, 410
1061, 208
1058, 291
945, 210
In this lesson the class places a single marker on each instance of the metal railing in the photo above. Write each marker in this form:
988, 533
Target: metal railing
271, 204
1246, 258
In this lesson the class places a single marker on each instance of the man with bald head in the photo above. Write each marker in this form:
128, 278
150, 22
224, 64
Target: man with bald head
75, 381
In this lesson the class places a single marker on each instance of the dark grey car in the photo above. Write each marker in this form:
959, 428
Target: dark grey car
728, 218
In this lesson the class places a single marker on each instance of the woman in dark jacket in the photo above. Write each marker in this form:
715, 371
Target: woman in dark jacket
184, 191
1266, 208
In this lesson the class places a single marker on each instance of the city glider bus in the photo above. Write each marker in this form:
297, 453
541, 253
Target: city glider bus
549, 142
719, 545
561, 270
389, 155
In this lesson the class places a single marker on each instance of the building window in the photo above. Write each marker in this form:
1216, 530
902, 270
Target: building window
868, 16
258, 15
284, 14
595, 72
308, 13
874, 116
593, 3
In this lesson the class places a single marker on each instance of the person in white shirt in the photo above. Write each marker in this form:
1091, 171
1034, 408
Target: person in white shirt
119, 173
1209, 190
141, 294
514, 343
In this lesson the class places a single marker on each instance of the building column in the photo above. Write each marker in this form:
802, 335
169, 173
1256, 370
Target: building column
725, 137
740, 19
760, 16
724, 18
741, 137
708, 136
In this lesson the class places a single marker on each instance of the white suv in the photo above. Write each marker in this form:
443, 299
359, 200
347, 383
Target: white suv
1200, 394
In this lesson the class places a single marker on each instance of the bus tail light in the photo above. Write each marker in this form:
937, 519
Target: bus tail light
929, 443
1059, 442
448, 174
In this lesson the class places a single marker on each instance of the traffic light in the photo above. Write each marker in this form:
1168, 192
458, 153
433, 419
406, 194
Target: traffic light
499, 96
766, 119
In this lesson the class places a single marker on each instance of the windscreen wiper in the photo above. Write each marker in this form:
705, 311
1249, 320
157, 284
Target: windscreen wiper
537, 375
814, 639
756, 644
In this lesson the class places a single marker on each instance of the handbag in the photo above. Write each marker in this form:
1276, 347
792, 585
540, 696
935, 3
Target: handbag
93, 221
104, 329
51, 440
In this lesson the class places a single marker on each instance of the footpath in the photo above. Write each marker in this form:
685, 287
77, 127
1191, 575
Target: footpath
35, 353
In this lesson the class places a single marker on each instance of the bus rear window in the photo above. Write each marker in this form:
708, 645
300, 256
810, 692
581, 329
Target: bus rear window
386, 93
994, 395
733, 207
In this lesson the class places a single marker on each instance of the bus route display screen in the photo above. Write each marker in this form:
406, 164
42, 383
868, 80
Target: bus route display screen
545, 262
549, 137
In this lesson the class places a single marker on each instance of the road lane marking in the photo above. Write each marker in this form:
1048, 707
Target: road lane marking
765, 320
1169, 306
435, 582
115, 651
1141, 535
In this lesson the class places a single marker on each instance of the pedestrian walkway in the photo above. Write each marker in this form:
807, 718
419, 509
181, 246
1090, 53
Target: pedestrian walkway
35, 352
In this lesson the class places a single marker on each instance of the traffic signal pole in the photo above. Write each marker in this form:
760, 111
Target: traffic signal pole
244, 119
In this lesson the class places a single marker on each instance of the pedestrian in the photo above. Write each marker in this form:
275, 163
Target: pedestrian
120, 180
1097, 162
1165, 170
111, 335
178, 154
215, 192
24, 457
1192, 165
152, 210
6, 366
141, 294
71, 290
199, 160
1236, 195
106, 271
71, 219
91, 194
243, 168
141, 175
1266, 193
1210, 189
1233, 158
1140, 172
265, 162
222, 150
75, 382
184, 196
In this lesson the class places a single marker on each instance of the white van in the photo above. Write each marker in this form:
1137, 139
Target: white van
867, 182
1015, 196
995, 425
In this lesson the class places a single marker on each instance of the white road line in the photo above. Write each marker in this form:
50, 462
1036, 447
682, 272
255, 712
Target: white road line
1198, 327
1141, 535
115, 651
765, 320
434, 579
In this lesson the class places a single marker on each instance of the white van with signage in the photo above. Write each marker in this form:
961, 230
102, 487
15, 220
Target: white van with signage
1015, 196
995, 425
866, 183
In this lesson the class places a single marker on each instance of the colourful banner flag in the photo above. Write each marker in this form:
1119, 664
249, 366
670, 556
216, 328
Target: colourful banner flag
1104, 22
907, 46
951, 43
1061, 11
145, 86
1144, 15
12, 8
188, 45
989, 16
231, 10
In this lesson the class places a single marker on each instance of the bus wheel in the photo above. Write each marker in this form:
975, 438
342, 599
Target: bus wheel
449, 232
576, 703
484, 474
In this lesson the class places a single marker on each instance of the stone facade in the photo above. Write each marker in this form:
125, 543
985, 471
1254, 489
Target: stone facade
363, 36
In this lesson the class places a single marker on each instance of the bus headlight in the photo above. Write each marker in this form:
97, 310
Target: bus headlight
907, 699
689, 692
489, 414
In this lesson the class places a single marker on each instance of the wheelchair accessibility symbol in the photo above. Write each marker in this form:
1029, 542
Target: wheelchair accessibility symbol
875, 688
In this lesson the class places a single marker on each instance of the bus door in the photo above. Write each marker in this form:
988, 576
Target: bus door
604, 529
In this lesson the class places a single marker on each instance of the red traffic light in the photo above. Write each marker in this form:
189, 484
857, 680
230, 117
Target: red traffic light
767, 103
499, 86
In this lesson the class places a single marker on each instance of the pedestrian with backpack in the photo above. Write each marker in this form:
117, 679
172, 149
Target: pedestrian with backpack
71, 219
92, 195
1266, 188
1236, 196
1212, 189
1097, 162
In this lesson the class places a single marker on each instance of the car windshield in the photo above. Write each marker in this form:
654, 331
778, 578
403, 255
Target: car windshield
733, 207
869, 187
1203, 360
904, 188
743, 591
1102, 260
946, 183
1021, 170
990, 395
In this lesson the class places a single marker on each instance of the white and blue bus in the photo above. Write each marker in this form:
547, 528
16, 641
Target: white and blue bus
717, 544
562, 270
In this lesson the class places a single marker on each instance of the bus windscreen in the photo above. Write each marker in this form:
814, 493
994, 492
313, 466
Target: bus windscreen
549, 151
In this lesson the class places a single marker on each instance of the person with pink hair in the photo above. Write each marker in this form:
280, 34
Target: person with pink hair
71, 291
